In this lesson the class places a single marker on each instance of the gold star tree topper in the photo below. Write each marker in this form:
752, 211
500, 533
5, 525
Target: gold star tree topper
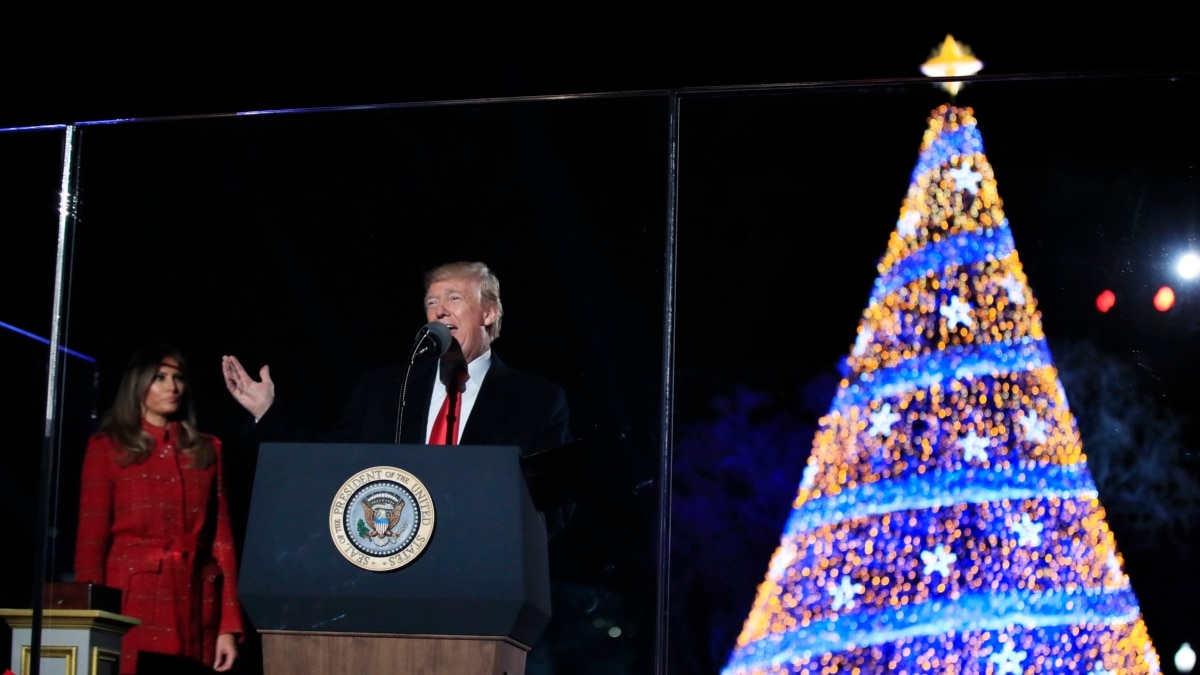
953, 58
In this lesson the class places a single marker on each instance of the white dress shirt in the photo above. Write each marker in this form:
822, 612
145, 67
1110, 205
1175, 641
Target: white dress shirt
476, 371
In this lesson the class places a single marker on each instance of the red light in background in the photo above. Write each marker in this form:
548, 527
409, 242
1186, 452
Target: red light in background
1105, 301
1164, 299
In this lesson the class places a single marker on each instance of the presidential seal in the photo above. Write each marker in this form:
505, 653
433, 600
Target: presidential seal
381, 519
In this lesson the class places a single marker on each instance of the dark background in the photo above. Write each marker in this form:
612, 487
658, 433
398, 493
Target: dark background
752, 165
73, 68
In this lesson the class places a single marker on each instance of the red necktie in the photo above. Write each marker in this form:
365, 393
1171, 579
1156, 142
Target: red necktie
447, 419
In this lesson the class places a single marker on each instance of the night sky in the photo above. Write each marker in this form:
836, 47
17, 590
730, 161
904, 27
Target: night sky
298, 240
65, 70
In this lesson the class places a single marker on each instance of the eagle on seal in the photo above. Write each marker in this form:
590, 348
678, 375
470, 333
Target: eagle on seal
383, 521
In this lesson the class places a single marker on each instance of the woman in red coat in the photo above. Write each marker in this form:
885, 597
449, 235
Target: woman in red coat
154, 520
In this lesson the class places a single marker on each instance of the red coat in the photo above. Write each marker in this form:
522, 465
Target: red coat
160, 532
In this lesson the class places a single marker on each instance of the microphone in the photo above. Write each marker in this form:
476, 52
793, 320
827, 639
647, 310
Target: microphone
432, 340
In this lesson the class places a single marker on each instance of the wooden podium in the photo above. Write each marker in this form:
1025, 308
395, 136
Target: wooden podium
300, 652
464, 587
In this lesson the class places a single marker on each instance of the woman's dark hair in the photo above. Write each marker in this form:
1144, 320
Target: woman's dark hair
123, 422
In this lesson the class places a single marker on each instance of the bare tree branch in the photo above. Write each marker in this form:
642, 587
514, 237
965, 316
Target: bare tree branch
1135, 447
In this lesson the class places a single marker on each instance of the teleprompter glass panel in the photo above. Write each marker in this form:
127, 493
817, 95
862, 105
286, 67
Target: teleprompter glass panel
950, 391
299, 241
31, 164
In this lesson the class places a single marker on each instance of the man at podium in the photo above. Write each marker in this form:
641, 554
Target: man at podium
466, 395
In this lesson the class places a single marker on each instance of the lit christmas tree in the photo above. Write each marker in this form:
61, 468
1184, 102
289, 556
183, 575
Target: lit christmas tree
946, 521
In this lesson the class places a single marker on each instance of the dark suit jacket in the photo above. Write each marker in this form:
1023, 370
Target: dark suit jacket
512, 408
